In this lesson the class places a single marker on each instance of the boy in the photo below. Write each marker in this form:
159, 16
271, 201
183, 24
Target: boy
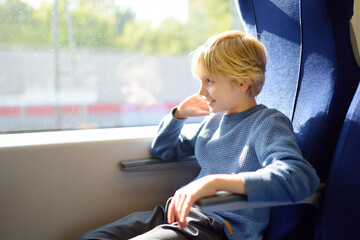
241, 147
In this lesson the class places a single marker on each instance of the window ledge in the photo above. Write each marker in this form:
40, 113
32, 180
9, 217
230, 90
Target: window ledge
80, 136
76, 136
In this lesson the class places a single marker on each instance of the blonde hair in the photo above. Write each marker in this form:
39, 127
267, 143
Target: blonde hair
235, 56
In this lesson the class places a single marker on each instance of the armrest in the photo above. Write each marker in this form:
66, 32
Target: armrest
224, 201
153, 164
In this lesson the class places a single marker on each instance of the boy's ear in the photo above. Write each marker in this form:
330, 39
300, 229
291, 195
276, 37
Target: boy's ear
244, 86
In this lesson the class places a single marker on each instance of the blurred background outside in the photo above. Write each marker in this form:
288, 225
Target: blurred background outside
75, 64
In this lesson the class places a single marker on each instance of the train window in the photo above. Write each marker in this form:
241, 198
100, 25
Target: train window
74, 64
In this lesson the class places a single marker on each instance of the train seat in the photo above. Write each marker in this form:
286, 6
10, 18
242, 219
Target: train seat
311, 76
339, 216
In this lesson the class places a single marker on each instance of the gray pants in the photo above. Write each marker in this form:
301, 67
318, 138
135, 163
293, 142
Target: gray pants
153, 225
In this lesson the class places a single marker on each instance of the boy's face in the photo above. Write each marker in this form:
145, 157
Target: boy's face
221, 95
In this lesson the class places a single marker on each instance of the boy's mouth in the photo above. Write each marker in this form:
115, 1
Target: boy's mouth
211, 102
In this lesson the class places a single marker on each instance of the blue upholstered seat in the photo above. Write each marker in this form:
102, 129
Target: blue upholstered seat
339, 218
311, 77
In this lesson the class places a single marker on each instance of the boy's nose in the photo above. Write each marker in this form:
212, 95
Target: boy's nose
202, 90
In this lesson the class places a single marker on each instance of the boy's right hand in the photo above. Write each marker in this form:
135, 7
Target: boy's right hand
192, 106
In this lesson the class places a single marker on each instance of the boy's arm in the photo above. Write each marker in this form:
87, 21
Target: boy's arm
285, 175
169, 143
185, 197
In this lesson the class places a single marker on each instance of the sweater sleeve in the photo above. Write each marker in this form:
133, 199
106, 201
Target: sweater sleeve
171, 142
285, 175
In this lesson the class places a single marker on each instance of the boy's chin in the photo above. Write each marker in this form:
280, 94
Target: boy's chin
212, 110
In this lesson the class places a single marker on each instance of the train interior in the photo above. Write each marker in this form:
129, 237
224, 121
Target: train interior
58, 185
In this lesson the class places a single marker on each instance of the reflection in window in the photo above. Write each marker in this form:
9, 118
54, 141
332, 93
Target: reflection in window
70, 64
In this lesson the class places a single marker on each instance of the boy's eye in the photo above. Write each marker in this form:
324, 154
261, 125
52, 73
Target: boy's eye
209, 81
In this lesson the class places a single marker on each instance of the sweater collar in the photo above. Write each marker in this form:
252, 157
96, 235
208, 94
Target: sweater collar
241, 115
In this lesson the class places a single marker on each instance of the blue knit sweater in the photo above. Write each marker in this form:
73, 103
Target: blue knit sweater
259, 144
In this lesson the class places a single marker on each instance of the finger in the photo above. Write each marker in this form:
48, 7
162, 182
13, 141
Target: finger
203, 113
179, 210
177, 199
204, 106
198, 112
202, 102
171, 212
184, 212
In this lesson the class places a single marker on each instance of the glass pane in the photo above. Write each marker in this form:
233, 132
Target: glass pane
72, 64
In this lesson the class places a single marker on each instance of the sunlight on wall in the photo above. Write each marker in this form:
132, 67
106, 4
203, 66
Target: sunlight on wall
356, 27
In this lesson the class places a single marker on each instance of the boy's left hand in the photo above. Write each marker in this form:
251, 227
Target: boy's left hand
185, 197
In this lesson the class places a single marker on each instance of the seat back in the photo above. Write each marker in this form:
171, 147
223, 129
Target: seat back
340, 211
311, 77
